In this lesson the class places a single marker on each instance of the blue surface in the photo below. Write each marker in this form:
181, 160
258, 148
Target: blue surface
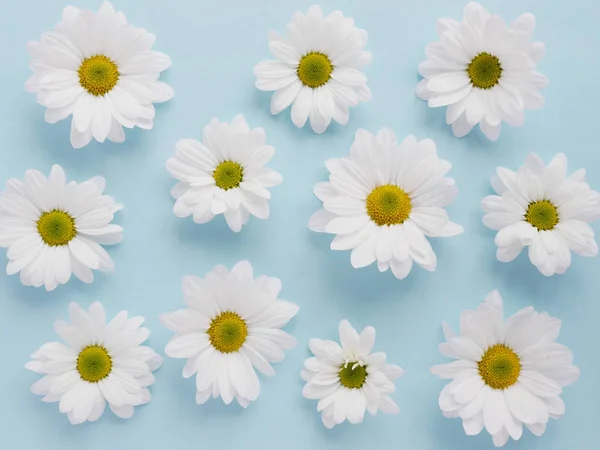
214, 46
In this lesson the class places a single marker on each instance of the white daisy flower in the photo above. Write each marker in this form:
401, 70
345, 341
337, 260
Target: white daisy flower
384, 200
349, 380
101, 363
545, 209
225, 174
505, 374
483, 71
232, 326
53, 229
317, 69
100, 70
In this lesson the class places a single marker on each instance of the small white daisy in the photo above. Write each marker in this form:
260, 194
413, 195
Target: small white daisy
100, 70
318, 69
384, 200
101, 363
543, 208
483, 71
223, 174
349, 380
53, 228
505, 374
232, 326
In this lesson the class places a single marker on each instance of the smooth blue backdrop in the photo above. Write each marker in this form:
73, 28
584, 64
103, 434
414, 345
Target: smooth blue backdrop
214, 46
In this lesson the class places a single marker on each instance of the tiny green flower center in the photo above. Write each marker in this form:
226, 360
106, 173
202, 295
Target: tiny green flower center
227, 332
499, 367
98, 74
228, 175
542, 214
484, 71
94, 363
353, 375
388, 205
56, 227
314, 69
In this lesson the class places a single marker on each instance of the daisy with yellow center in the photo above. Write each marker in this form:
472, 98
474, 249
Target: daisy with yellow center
505, 374
384, 200
232, 326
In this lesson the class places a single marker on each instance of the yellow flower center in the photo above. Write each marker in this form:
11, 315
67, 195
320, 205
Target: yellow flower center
228, 332
352, 375
499, 367
484, 71
56, 227
228, 175
388, 205
542, 214
98, 74
314, 69
94, 363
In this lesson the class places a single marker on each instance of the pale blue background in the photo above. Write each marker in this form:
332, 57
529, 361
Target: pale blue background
214, 46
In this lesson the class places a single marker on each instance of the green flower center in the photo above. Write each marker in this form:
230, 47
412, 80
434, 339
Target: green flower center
56, 228
228, 175
484, 71
228, 332
499, 367
353, 375
98, 74
314, 69
388, 205
94, 363
542, 214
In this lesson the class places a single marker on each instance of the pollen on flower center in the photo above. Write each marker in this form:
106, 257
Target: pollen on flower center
388, 205
98, 74
314, 69
56, 228
94, 363
353, 374
542, 214
228, 175
499, 367
484, 71
227, 332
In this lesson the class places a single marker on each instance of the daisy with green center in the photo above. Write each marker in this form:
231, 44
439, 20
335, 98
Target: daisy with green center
53, 229
384, 200
100, 70
506, 374
483, 71
230, 328
99, 363
317, 69
349, 380
223, 174
545, 209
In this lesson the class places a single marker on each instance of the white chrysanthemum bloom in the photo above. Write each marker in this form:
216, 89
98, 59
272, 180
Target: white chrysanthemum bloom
349, 380
224, 174
318, 69
506, 374
545, 209
101, 363
232, 326
100, 70
53, 229
483, 71
385, 200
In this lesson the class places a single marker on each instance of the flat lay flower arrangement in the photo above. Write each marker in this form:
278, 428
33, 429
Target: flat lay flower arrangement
138, 234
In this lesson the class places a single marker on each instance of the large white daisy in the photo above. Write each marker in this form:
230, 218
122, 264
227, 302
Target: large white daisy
505, 374
349, 380
385, 200
483, 71
100, 70
318, 69
53, 229
232, 326
100, 363
543, 208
